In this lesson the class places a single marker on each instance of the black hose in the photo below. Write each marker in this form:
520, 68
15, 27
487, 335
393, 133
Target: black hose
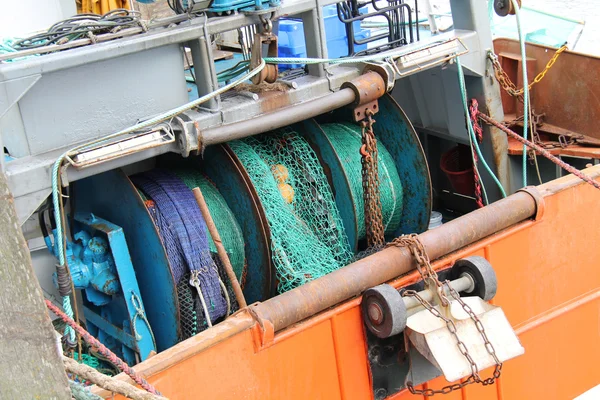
42, 222
80, 26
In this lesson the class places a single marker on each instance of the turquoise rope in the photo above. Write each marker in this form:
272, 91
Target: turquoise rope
348, 60
463, 93
525, 89
80, 392
59, 242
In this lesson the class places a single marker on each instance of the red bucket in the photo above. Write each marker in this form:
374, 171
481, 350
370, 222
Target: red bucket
457, 164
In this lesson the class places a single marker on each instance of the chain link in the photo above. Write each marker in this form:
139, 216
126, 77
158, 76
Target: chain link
505, 81
370, 183
430, 278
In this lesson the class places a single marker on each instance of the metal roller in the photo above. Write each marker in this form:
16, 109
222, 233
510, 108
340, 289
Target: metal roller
385, 310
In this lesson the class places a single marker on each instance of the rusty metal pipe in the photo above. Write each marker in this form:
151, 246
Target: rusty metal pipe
345, 283
277, 119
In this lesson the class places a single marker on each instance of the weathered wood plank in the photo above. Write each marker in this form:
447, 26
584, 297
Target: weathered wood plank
31, 365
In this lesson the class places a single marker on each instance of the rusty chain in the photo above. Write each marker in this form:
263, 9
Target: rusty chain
505, 81
424, 268
539, 149
430, 278
370, 183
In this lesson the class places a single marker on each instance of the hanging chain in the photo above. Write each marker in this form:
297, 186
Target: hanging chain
424, 267
430, 278
505, 81
370, 183
479, 137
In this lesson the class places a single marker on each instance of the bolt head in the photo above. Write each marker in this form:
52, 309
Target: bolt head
375, 313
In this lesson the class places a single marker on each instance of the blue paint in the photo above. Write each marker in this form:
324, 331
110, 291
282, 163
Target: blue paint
100, 265
107, 326
291, 40
224, 6
94, 273
396, 133
113, 197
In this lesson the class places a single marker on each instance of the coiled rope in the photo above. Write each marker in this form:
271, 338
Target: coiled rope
82, 25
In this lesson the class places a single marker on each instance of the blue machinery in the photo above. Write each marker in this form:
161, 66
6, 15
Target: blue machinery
116, 255
158, 288
100, 265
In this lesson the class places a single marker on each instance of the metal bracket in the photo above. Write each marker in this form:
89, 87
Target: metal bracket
265, 329
13, 90
141, 339
539, 201
367, 88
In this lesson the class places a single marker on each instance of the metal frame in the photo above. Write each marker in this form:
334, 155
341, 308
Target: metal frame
29, 176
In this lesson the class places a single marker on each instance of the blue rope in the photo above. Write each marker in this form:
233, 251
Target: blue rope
56, 199
183, 230
80, 392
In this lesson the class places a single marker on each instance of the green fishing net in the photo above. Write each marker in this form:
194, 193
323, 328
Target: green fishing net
307, 235
346, 139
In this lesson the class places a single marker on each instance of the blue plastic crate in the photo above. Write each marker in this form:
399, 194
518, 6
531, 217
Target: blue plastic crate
292, 44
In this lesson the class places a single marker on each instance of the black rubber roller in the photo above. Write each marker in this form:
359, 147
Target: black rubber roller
482, 273
384, 311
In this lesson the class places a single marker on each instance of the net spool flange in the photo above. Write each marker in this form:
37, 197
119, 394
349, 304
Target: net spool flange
395, 132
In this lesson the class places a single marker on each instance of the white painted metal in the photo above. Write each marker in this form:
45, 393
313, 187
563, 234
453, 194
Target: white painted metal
434, 341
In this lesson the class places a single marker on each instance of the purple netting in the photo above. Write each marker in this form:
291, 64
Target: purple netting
183, 231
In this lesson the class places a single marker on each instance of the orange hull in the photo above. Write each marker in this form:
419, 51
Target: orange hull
548, 286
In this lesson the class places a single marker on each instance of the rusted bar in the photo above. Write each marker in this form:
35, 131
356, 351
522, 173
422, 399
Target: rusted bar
327, 291
214, 233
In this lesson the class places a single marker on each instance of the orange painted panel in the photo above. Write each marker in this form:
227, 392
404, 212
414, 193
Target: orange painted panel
549, 288
353, 368
561, 357
234, 370
552, 261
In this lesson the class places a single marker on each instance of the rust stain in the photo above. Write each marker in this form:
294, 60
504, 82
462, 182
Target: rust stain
273, 100
568, 92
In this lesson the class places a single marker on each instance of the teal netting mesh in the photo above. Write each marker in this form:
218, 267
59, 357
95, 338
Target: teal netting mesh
228, 227
307, 235
346, 140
